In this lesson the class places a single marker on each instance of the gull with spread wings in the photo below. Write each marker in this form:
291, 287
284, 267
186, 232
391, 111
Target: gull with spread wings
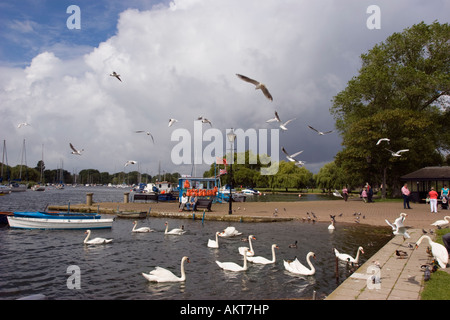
258, 85
320, 132
277, 118
147, 132
75, 151
290, 157
114, 74
397, 154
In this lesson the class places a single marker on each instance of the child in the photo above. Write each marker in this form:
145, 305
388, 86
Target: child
364, 195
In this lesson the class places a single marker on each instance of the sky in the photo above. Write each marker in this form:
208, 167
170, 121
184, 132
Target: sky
179, 59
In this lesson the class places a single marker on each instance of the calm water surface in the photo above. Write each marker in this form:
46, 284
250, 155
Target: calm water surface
36, 261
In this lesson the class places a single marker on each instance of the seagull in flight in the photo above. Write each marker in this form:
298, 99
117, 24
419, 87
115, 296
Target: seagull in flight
23, 124
320, 132
258, 85
172, 121
290, 157
383, 139
277, 118
130, 162
147, 132
283, 125
397, 154
75, 151
204, 120
114, 74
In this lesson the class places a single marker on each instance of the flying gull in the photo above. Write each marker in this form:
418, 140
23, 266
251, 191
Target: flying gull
397, 154
130, 162
320, 132
283, 125
172, 121
290, 157
22, 124
383, 139
147, 132
258, 85
204, 120
114, 74
277, 118
75, 151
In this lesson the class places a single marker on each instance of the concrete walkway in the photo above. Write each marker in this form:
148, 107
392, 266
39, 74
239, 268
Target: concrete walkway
401, 279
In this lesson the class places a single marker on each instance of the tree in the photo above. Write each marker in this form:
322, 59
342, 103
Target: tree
330, 176
400, 93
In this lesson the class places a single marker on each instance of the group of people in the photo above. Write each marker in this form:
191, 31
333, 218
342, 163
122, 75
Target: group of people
188, 202
432, 197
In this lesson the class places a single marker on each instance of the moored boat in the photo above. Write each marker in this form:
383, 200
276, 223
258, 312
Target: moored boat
4, 216
132, 215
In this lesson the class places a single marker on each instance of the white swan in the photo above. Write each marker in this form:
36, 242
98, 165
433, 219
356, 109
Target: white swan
331, 226
231, 266
142, 229
262, 260
229, 232
176, 231
441, 223
212, 243
347, 258
250, 251
437, 250
95, 240
298, 268
163, 275
398, 227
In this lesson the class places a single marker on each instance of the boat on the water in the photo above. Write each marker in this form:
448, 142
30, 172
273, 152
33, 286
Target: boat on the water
4, 216
132, 215
5, 190
58, 220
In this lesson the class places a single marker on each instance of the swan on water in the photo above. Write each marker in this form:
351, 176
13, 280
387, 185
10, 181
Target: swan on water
231, 266
298, 268
331, 226
214, 243
142, 229
163, 275
229, 232
262, 260
441, 223
250, 251
347, 258
95, 240
438, 251
176, 231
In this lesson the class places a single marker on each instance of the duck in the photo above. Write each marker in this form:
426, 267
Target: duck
250, 251
401, 254
176, 231
262, 260
438, 251
347, 258
293, 245
140, 230
163, 275
95, 240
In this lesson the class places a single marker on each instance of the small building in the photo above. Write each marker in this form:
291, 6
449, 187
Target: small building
421, 181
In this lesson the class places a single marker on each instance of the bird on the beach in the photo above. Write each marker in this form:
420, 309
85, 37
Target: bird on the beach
383, 139
397, 154
401, 254
23, 124
283, 125
130, 162
441, 223
438, 251
114, 74
75, 151
258, 85
290, 157
172, 121
277, 118
147, 132
320, 132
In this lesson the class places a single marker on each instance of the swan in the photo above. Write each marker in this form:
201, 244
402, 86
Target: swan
95, 240
262, 260
231, 266
250, 252
176, 231
142, 229
347, 258
214, 243
441, 223
163, 275
398, 227
438, 250
229, 232
331, 226
298, 268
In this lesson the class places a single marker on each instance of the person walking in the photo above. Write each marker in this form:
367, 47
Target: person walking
433, 195
345, 193
405, 195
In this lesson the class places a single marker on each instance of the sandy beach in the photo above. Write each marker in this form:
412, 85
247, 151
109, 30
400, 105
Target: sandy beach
419, 216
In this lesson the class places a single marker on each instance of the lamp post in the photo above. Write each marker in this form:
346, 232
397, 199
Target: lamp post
231, 137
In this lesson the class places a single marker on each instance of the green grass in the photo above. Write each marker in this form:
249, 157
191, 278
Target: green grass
437, 288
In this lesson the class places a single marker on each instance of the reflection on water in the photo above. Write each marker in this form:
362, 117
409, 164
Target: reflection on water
36, 261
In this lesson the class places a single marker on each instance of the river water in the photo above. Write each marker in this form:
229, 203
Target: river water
37, 261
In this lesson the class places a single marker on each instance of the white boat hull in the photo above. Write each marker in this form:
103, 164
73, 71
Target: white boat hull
39, 223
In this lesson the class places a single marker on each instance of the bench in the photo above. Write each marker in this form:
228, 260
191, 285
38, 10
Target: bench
203, 204
145, 196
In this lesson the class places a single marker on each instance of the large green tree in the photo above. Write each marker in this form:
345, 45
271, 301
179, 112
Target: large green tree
401, 93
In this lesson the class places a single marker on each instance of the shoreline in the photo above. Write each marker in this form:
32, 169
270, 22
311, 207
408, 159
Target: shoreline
353, 211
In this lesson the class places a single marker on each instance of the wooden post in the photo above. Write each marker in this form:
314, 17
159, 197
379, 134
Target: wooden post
125, 197
89, 198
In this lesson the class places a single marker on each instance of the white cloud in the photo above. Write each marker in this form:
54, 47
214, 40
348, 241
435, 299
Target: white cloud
179, 61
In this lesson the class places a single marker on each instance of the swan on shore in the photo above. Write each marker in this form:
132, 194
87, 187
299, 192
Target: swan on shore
250, 251
441, 223
176, 231
438, 251
141, 229
231, 266
214, 243
163, 275
95, 240
262, 260
398, 227
298, 268
347, 258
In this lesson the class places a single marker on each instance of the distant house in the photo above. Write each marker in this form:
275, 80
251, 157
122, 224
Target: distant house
422, 180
